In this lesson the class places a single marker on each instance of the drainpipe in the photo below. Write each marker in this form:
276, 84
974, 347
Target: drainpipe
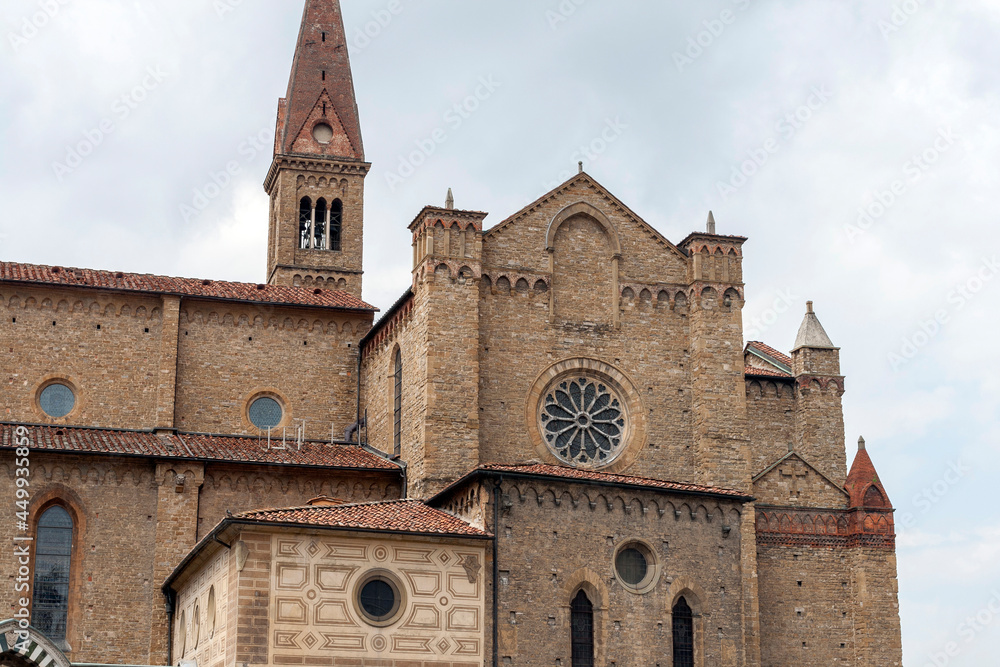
496, 571
171, 601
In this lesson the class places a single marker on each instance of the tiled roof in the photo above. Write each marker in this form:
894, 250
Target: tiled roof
753, 371
405, 516
544, 470
770, 351
197, 447
206, 289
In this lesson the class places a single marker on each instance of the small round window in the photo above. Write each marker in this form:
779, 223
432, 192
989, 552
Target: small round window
57, 400
379, 599
323, 133
635, 567
265, 413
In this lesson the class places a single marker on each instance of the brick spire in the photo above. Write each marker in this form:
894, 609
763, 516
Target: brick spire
863, 479
319, 114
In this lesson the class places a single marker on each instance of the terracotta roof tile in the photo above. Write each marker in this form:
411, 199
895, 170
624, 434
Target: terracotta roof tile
199, 447
545, 470
752, 371
406, 516
770, 351
191, 287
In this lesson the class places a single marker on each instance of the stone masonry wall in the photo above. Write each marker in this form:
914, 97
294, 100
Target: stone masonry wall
555, 539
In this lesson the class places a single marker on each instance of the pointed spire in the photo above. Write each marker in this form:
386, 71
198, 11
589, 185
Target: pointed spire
319, 115
449, 202
862, 479
811, 332
711, 223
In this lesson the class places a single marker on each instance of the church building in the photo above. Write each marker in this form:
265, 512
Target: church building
555, 449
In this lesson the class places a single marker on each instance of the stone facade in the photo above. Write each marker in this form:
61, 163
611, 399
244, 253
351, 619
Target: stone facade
531, 390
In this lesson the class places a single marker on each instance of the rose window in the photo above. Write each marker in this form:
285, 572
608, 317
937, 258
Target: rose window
583, 421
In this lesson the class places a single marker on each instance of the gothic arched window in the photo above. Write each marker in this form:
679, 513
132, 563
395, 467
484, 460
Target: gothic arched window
319, 229
582, 624
683, 635
397, 402
305, 222
53, 548
336, 221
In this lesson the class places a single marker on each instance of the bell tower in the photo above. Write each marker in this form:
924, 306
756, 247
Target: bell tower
316, 180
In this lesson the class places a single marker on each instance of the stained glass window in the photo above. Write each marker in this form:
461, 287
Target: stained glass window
378, 599
632, 566
583, 421
582, 622
265, 413
397, 409
57, 400
683, 635
53, 547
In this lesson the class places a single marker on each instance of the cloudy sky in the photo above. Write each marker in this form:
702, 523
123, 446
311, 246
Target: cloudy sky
857, 145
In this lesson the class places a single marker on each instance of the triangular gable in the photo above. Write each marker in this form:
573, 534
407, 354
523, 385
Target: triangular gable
339, 146
793, 482
587, 180
763, 360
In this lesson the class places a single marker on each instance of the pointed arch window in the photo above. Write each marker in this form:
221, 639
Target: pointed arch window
336, 221
50, 594
305, 222
683, 632
397, 402
319, 229
582, 628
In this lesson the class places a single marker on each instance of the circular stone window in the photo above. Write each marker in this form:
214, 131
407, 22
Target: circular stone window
323, 133
635, 567
583, 421
379, 598
57, 400
265, 412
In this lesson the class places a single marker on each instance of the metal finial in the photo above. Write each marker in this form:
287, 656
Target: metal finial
449, 202
711, 223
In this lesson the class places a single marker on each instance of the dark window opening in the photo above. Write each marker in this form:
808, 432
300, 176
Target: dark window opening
683, 635
397, 409
324, 78
53, 547
336, 220
319, 229
324, 39
305, 222
582, 623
